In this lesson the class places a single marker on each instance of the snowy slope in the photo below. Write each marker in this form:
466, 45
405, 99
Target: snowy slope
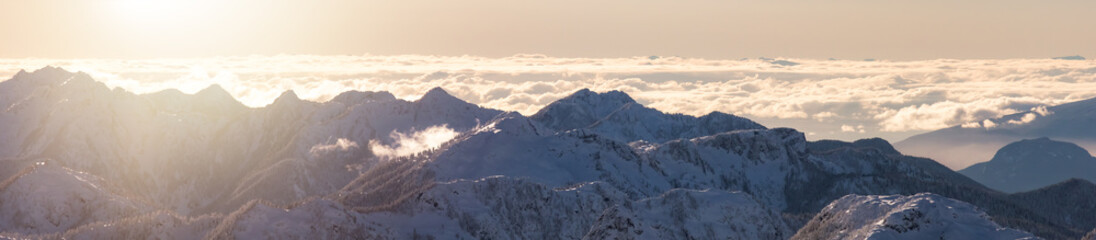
690, 214
47, 198
920, 216
507, 208
486, 208
154, 225
755, 161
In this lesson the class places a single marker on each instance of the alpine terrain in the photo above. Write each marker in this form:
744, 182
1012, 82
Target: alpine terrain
81, 160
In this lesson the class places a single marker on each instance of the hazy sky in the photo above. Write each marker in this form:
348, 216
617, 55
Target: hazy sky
899, 30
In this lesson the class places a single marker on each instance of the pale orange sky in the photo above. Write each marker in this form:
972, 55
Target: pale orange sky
899, 30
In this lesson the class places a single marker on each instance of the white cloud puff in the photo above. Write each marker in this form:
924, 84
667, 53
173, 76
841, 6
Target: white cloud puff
1028, 117
406, 144
888, 98
988, 124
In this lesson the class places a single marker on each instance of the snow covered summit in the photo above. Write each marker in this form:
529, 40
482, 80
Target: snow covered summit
921, 216
615, 114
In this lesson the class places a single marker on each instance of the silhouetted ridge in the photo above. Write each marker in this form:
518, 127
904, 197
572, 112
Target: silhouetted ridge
867, 143
1070, 185
354, 97
214, 91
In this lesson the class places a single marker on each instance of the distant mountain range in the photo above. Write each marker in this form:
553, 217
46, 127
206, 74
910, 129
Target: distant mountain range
1033, 163
959, 147
592, 165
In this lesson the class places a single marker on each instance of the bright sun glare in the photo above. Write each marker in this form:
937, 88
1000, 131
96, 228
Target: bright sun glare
153, 11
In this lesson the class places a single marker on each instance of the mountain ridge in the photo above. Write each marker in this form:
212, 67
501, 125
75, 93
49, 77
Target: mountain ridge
299, 165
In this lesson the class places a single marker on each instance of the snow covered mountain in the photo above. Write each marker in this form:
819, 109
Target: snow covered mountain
959, 147
1033, 163
368, 165
920, 216
179, 149
616, 115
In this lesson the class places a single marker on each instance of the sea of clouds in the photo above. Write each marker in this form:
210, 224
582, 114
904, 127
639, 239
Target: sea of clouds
842, 99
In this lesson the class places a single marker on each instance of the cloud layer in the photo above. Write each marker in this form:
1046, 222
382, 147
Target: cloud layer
826, 98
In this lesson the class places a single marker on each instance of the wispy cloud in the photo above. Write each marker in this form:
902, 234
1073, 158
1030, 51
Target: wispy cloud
819, 96
341, 144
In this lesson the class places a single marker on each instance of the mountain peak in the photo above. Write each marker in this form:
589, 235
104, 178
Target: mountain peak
613, 97
217, 97
1040, 149
437, 92
214, 91
289, 96
581, 109
437, 95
